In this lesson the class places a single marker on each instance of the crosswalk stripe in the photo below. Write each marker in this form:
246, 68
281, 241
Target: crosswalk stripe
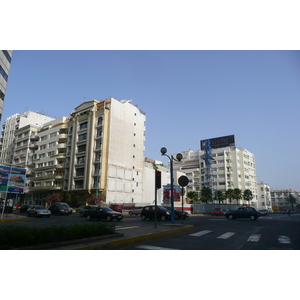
284, 239
254, 238
120, 228
200, 233
148, 247
226, 235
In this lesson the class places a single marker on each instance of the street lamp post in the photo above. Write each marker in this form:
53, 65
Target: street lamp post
178, 158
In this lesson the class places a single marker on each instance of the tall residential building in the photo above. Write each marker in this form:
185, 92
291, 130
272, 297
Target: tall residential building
232, 168
48, 161
105, 150
13, 124
9, 128
5, 61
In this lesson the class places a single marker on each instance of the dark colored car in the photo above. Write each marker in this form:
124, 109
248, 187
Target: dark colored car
102, 213
243, 212
178, 213
58, 210
117, 208
83, 208
24, 208
148, 212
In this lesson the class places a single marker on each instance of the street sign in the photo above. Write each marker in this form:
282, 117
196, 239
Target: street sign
183, 181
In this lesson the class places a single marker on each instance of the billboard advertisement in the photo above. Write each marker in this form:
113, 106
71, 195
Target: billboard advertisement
12, 179
167, 193
220, 142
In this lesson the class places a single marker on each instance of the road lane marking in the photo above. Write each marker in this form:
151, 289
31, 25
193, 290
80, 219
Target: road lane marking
200, 233
226, 235
147, 247
254, 238
284, 239
120, 228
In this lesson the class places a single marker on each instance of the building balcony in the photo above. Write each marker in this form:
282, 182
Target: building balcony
61, 146
46, 188
62, 137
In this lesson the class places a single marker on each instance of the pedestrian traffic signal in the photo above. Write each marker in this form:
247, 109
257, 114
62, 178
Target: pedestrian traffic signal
157, 179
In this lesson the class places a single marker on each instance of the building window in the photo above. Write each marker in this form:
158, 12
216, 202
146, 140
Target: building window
42, 147
82, 137
83, 126
43, 137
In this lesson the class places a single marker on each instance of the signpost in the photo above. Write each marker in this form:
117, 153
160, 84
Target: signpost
182, 181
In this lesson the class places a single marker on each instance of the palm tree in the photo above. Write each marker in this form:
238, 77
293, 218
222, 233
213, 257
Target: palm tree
193, 196
248, 196
229, 194
292, 200
237, 194
221, 196
206, 194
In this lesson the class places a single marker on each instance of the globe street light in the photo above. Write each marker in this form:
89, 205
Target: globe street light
163, 151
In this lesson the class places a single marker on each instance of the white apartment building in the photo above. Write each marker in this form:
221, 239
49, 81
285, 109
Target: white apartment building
105, 150
232, 168
5, 61
263, 196
280, 198
9, 139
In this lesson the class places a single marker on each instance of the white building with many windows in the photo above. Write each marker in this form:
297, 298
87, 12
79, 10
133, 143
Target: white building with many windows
232, 168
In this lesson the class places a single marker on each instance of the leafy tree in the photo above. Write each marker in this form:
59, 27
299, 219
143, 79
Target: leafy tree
292, 200
206, 194
67, 198
229, 194
237, 194
247, 195
221, 196
193, 196
53, 198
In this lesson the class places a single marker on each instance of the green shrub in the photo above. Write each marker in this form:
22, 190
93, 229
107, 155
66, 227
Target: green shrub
23, 236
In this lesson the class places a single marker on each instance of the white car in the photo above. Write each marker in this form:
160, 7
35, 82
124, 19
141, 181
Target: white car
136, 211
38, 211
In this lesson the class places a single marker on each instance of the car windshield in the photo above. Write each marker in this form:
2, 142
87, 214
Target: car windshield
107, 209
39, 207
161, 207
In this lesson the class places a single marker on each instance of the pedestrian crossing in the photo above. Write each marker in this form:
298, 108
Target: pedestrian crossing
254, 238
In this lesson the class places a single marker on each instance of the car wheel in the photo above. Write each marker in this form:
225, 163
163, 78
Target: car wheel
89, 218
163, 218
36, 215
108, 218
143, 217
130, 213
231, 217
252, 218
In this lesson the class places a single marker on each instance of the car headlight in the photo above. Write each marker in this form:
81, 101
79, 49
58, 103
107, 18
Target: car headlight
167, 212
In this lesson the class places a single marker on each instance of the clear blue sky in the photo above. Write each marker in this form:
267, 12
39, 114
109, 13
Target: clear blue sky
186, 95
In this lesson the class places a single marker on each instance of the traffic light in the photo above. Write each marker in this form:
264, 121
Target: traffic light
157, 179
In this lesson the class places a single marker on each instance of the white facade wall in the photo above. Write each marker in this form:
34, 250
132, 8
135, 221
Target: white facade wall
126, 153
263, 196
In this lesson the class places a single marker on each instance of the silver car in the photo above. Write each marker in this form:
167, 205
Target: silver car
38, 211
136, 211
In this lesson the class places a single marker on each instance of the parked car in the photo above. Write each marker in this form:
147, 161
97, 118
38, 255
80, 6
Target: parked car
263, 212
136, 211
217, 212
102, 213
83, 208
148, 212
178, 213
243, 212
58, 210
70, 209
38, 211
117, 208
24, 208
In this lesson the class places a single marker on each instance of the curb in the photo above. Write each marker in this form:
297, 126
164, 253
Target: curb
110, 245
15, 219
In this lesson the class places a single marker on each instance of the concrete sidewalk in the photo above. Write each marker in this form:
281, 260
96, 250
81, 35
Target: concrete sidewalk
11, 217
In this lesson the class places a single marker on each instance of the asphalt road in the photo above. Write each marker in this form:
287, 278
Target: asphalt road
272, 232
